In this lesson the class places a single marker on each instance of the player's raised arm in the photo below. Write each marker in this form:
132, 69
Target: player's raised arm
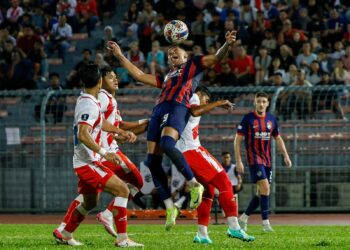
282, 148
211, 60
205, 108
137, 127
237, 147
134, 71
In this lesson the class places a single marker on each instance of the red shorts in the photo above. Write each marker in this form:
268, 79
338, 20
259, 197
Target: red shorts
204, 166
92, 178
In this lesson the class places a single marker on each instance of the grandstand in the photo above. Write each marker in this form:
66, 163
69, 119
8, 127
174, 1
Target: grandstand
36, 150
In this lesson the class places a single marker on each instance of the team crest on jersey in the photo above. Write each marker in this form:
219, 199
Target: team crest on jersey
269, 125
175, 73
85, 117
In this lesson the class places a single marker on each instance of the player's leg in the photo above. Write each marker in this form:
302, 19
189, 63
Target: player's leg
264, 191
154, 163
203, 213
119, 189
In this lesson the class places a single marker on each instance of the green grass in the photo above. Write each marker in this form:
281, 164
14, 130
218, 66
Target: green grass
155, 237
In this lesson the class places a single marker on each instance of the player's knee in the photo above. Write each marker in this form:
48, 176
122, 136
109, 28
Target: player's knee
167, 144
87, 206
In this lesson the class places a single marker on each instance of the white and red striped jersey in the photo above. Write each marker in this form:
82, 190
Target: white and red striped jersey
110, 112
190, 136
87, 111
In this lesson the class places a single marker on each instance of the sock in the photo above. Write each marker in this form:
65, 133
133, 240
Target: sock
203, 231
77, 217
226, 198
253, 204
244, 217
233, 222
120, 214
137, 200
61, 227
160, 179
79, 199
264, 205
167, 144
180, 201
168, 203
203, 211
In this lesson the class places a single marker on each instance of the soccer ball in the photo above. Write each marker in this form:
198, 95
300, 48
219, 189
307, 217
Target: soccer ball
175, 31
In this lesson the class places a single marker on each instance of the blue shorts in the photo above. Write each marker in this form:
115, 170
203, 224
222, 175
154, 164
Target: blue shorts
167, 114
260, 172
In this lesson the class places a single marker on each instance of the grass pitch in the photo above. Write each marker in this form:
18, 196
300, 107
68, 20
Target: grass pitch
155, 237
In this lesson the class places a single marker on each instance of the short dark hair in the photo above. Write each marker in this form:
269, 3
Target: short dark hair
90, 74
108, 69
261, 94
204, 90
54, 74
225, 153
87, 50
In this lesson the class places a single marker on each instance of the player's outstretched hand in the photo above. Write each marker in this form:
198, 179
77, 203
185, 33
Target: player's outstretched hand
114, 48
231, 37
239, 167
288, 162
226, 104
112, 157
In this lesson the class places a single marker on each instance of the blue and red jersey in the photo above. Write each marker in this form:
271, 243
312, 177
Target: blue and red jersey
179, 84
257, 132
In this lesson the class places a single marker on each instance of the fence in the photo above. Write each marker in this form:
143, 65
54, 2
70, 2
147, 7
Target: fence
36, 145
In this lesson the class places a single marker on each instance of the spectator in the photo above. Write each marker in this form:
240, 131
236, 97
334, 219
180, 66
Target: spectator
314, 75
346, 58
226, 77
262, 63
56, 104
87, 15
296, 43
322, 58
286, 57
197, 50
148, 13
327, 99
214, 27
346, 37
335, 28
38, 19
13, 15
315, 45
303, 20
227, 10
277, 25
230, 169
277, 80
20, 72
198, 30
128, 39
158, 30
287, 33
276, 67
73, 79
59, 38
107, 8
269, 41
243, 66
130, 16
259, 27
6, 52
39, 58
305, 58
248, 15
229, 26
340, 75
100, 61
337, 54
67, 8
136, 56
157, 57
291, 75
270, 12
5, 35
26, 42
108, 35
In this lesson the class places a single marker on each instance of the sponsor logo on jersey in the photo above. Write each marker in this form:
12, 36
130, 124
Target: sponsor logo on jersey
262, 135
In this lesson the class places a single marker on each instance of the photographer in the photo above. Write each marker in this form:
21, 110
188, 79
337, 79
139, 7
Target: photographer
60, 35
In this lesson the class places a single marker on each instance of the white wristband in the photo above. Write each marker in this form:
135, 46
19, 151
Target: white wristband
102, 152
142, 121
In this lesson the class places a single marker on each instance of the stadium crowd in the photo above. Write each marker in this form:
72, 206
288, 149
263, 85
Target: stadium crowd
280, 43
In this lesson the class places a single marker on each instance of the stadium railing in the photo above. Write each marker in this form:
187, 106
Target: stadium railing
36, 145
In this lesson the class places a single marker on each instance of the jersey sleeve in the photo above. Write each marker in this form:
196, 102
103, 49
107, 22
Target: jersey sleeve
86, 112
194, 101
160, 80
104, 100
243, 126
276, 129
198, 61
